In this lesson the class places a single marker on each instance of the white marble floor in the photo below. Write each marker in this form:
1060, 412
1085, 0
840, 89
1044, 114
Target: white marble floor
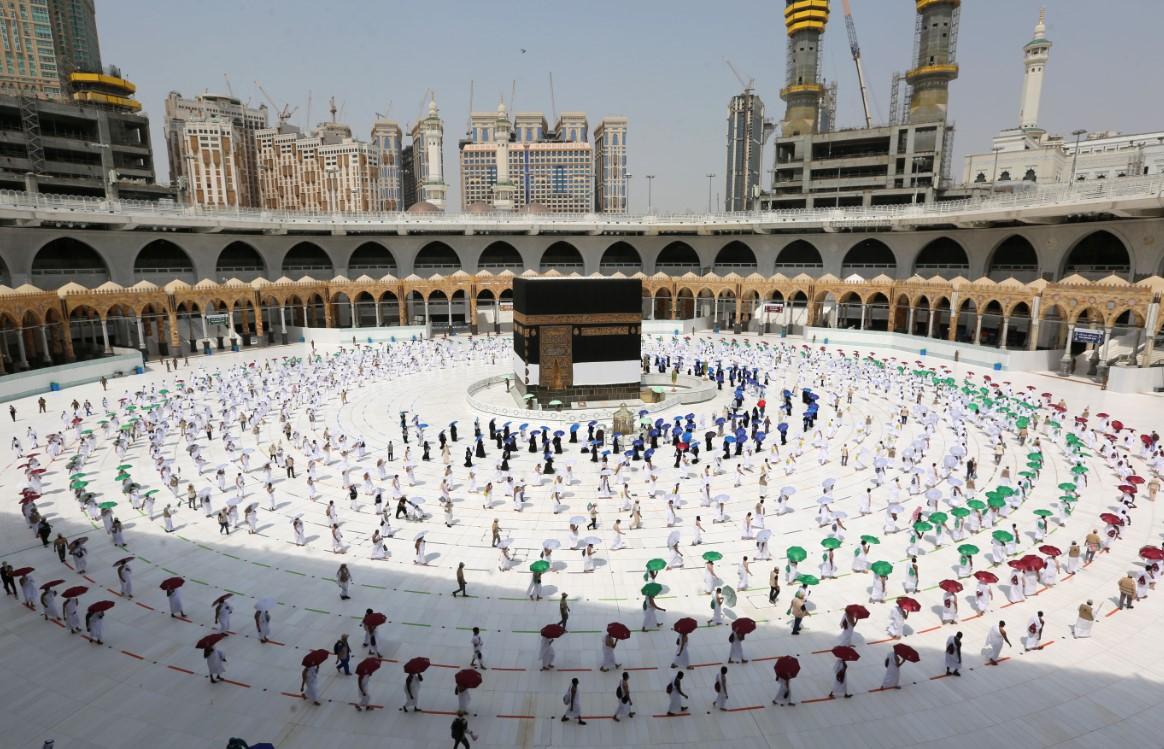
147, 684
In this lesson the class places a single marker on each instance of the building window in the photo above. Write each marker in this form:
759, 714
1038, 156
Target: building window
1030, 176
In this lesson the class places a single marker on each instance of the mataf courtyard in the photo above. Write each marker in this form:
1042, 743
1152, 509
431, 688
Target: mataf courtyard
888, 500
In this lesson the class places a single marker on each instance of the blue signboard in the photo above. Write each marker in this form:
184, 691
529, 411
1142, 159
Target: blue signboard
1088, 336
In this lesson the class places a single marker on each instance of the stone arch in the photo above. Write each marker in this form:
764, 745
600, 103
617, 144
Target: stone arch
68, 259
341, 310
798, 256
372, 259
878, 313
676, 259
307, 259
1014, 256
562, 257
990, 323
869, 257
499, 256
240, 260
1096, 255
735, 257
436, 257
942, 256
661, 305
620, 257
162, 261
5, 274
684, 305
388, 308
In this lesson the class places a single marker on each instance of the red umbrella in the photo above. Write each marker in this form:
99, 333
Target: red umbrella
985, 576
1127, 489
29, 499
857, 611
1135, 480
38, 471
469, 678
1110, 519
1032, 562
618, 631
906, 652
124, 560
908, 604
210, 641
172, 583
553, 631
1146, 439
417, 665
51, 584
21, 572
685, 626
1117, 425
1101, 415
97, 608
787, 667
315, 657
1051, 551
1080, 420
367, 666
950, 586
1154, 553
222, 598
1016, 564
1047, 395
846, 653
744, 626
374, 619
73, 592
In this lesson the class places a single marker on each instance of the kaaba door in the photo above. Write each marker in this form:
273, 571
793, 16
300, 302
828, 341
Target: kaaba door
556, 356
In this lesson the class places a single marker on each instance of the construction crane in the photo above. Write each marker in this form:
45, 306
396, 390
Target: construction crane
748, 85
283, 113
855, 48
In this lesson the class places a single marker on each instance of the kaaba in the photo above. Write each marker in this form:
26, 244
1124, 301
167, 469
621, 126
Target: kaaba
577, 339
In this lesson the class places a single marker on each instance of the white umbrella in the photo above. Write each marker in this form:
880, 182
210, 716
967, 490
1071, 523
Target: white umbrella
416, 500
954, 481
233, 501
505, 543
934, 493
764, 535
895, 508
419, 536
839, 515
788, 491
264, 603
957, 451
823, 500
551, 543
881, 462
828, 483
672, 538
721, 498
592, 541
577, 520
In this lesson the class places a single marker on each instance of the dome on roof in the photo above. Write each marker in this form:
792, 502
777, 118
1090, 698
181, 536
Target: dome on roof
536, 207
477, 208
423, 207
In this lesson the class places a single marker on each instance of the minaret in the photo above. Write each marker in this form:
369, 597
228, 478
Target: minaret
432, 130
804, 22
1035, 55
503, 189
934, 67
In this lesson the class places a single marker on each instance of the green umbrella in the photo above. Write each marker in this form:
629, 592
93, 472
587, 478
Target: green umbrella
103, 422
807, 580
1003, 537
651, 589
922, 526
1005, 491
1079, 469
881, 569
831, 543
77, 475
122, 476
131, 409
540, 566
937, 518
712, 556
1068, 498
126, 427
960, 512
1027, 474
871, 539
107, 505
968, 549
1054, 424
655, 565
1022, 422
529, 396
163, 391
796, 554
1035, 456
555, 403
1044, 513
657, 389
996, 502
1068, 486
86, 431
151, 492
976, 504
124, 466
973, 407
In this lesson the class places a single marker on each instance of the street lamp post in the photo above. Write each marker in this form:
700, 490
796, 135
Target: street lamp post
1075, 156
626, 197
994, 174
710, 177
650, 195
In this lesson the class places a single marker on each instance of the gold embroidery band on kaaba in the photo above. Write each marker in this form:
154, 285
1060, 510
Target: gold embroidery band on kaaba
587, 319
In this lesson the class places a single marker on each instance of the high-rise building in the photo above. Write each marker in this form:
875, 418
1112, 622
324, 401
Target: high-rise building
74, 24
1036, 53
210, 140
387, 140
326, 172
747, 131
522, 163
935, 44
408, 177
610, 180
804, 23
29, 66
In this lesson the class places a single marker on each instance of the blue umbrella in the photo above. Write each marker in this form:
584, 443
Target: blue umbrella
686, 437
595, 443
560, 433
507, 423
720, 421
689, 417
452, 422
591, 423
729, 439
760, 436
653, 433
660, 422
523, 427
649, 453
644, 412
575, 427
605, 453
782, 427
628, 453
424, 426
